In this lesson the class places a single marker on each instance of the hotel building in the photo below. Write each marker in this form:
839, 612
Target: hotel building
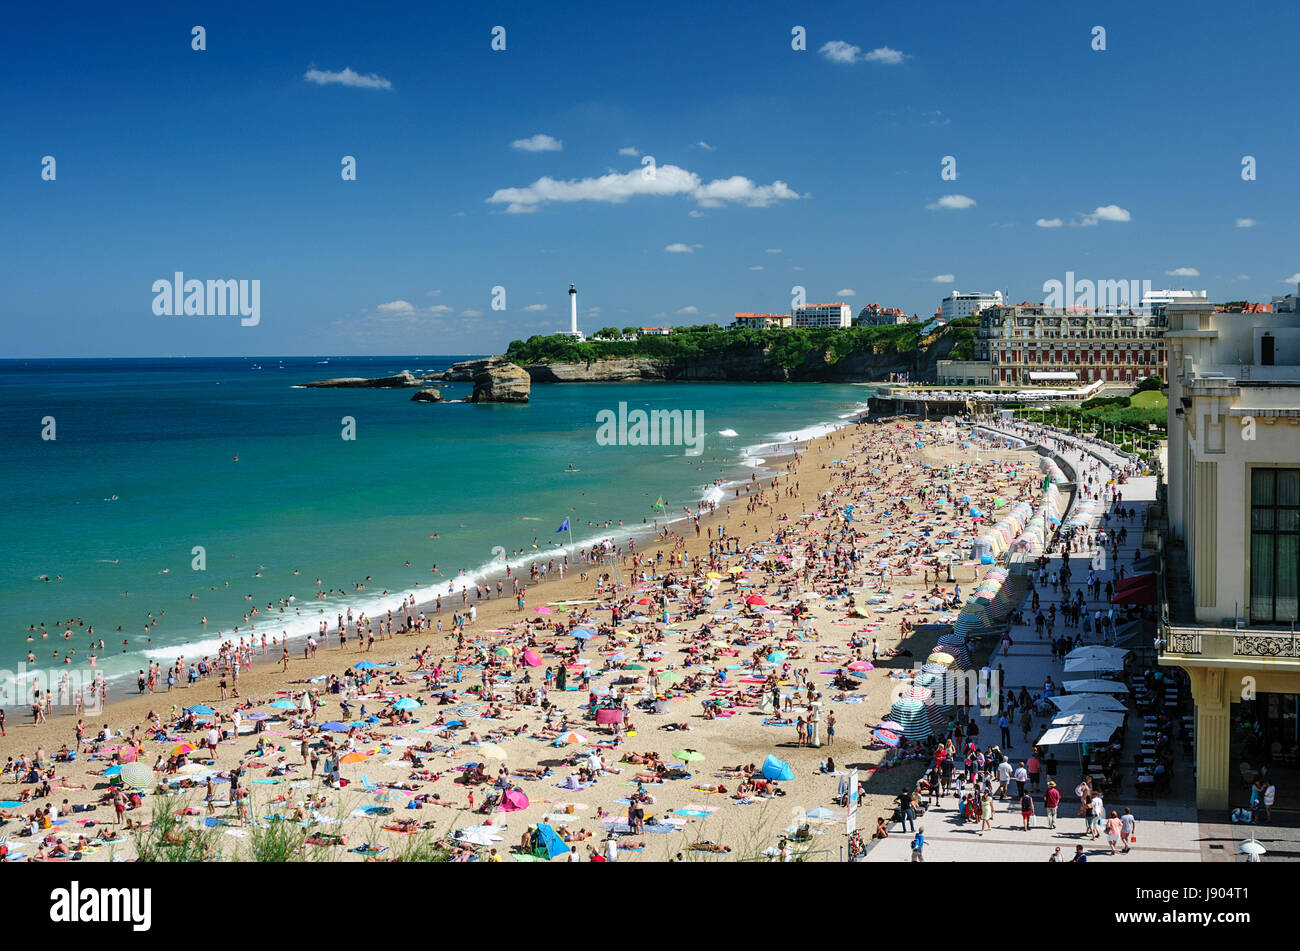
747, 321
1023, 339
823, 315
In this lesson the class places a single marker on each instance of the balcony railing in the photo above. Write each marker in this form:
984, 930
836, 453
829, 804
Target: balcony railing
1217, 642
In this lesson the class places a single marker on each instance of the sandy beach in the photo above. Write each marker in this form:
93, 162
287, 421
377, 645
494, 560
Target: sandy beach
784, 565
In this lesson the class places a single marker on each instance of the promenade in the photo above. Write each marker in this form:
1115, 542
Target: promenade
1167, 827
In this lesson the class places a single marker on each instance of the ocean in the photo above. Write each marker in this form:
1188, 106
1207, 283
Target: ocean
179, 489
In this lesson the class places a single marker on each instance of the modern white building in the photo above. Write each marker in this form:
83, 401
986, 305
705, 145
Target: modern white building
1152, 300
1289, 304
823, 315
959, 304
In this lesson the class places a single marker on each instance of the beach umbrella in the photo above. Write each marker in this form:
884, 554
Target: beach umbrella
112, 771
365, 665
406, 703
861, 665
284, 705
634, 667
1078, 733
571, 736
715, 576
1095, 686
886, 737
776, 769
689, 756
891, 726
672, 677
1088, 703
257, 716
777, 657
180, 748
514, 800
200, 708
543, 609
353, 758
819, 813
334, 726
532, 658
502, 651
583, 633
755, 599
909, 712
491, 751
138, 775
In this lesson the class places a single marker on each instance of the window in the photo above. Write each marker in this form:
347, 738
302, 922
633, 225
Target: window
1274, 544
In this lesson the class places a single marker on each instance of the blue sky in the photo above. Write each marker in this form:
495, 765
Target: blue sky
775, 167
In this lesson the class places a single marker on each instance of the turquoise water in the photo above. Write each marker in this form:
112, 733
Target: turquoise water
155, 457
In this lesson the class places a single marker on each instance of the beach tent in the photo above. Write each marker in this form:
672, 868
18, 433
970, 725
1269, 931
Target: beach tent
1060, 735
776, 769
549, 842
514, 800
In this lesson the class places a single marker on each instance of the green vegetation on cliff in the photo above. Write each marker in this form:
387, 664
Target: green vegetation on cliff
786, 347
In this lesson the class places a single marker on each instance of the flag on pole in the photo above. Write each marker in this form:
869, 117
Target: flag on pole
564, 527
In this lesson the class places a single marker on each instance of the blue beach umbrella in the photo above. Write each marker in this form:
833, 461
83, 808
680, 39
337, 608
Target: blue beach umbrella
334, 726
364, 665
199, 708
406, 703
777, 657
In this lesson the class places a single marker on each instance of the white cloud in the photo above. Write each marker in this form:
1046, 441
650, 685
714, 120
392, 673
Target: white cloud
686, 311
846, 292
773, 250
471, 312
628, 150
696, 213
942, 279
535, 307
756, 267
1105, 213
951, 203
396, 307
1048, 222
708, 148
1293, 279
616, 187
838, 51
1245, 222
440, 309
1183, 272
678, 248
347, 77
538, 143
883, 54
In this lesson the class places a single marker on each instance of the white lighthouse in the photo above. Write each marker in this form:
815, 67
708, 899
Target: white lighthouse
574, 333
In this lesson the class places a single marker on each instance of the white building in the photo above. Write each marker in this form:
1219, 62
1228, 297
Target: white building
958, 304
1152, 300
823, 315
1289, 304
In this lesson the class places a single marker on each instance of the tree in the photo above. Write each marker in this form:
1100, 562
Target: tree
610, 332
631, 331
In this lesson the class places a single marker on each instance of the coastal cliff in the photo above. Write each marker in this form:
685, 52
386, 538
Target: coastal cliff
745, 363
